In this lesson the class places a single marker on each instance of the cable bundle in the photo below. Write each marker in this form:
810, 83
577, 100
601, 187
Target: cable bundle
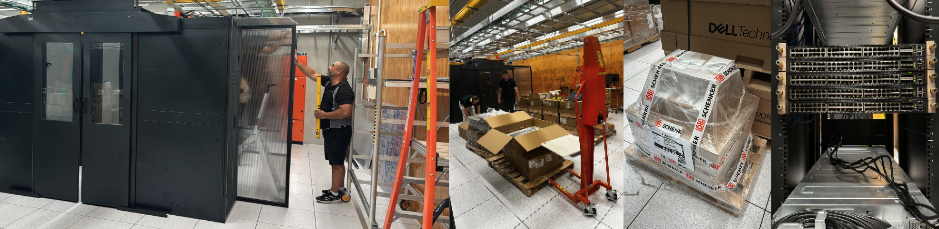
879, 165
834, 220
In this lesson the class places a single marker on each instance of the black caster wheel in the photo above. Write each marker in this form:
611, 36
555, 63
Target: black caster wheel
404, 205
612, 195
590, 211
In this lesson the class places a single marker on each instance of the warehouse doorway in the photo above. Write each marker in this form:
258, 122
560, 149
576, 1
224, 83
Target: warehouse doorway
84, 85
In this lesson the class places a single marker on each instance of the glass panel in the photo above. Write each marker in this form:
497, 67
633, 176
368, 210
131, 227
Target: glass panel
107, 80
484, 88
265, 69
57, 83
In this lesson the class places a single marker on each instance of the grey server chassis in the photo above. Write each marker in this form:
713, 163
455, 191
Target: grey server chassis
828, 188
856, 79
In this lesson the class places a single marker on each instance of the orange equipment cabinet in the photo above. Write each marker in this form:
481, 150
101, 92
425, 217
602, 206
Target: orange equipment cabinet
299, 101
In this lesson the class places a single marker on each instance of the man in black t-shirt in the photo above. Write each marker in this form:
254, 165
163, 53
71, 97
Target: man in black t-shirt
508, 92
335, 113
470, 105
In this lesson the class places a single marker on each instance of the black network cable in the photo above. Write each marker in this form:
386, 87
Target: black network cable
879, 165
834, 219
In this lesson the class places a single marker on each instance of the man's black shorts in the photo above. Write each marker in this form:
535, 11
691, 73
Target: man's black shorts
336, 141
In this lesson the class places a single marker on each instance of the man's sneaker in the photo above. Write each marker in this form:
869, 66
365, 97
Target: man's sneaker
329, 198
343, 190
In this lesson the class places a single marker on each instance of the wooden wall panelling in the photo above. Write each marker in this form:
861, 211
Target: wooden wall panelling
545, 69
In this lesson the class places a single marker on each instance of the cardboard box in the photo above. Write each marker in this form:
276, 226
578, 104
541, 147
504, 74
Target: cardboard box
567, 113
464, 127
544, 95
761, 89
743, 54
537, 116
761, 129
525, 150
569, 105
552, 118
567, 122
522, 103
550, 103
738, 21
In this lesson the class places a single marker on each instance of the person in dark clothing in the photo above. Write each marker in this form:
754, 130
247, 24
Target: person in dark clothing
508, 92
335, 113
470, 105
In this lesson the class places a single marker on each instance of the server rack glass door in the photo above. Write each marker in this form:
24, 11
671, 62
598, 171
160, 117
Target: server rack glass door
84, 88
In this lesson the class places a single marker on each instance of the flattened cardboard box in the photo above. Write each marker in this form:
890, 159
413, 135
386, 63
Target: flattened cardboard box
525, 151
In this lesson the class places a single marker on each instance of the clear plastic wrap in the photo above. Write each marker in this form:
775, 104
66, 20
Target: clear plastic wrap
694, 107
731, 200
478, 122
639, 25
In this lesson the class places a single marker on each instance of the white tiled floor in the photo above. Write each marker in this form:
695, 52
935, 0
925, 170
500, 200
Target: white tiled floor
482, 197
655, 204
28, 212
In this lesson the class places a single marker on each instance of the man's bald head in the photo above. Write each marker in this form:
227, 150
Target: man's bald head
341, 68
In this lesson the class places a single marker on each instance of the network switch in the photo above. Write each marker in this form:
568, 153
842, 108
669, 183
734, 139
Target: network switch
857, 79
860, 52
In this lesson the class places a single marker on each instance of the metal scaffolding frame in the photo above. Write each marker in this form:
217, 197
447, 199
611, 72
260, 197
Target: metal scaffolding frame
368, 87
521, 22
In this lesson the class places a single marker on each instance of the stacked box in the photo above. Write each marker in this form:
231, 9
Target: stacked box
746, 37
761, 123
552, 118
639, 23
534, 106
671, 134
568, 109
550, 106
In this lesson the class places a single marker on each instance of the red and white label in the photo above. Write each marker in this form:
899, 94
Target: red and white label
731, 185
670, 59
699, 125
658, 124
650, 94
719, 78
689, 176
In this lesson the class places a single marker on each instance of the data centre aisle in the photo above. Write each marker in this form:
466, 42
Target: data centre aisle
309, 174
649, 204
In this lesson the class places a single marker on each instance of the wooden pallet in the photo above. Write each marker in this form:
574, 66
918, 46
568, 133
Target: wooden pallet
505, 167
637, 46
481, 152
